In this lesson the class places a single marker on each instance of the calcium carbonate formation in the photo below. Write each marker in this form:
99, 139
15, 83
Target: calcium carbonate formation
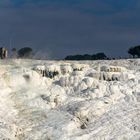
81, 100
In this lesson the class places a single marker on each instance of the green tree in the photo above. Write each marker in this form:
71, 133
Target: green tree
134, 51
100, 56
25, 52
137, 49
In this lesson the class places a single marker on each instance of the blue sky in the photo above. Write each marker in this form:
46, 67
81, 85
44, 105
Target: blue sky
56, 28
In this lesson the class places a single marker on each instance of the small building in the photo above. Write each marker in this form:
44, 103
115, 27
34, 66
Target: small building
3, 53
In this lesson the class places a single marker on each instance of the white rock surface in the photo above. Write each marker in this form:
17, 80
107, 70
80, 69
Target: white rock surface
77, 105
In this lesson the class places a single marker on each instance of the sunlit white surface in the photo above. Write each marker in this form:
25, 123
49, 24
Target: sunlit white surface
82, 102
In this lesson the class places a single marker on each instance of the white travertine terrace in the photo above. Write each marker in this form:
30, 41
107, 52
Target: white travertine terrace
81, 100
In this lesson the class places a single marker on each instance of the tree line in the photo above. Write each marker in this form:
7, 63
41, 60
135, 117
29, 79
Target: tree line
27, 52
134, 52
98, 56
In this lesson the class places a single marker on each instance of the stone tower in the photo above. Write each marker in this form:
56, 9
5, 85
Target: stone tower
3, 53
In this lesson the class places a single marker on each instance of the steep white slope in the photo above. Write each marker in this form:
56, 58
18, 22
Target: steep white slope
75, 104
